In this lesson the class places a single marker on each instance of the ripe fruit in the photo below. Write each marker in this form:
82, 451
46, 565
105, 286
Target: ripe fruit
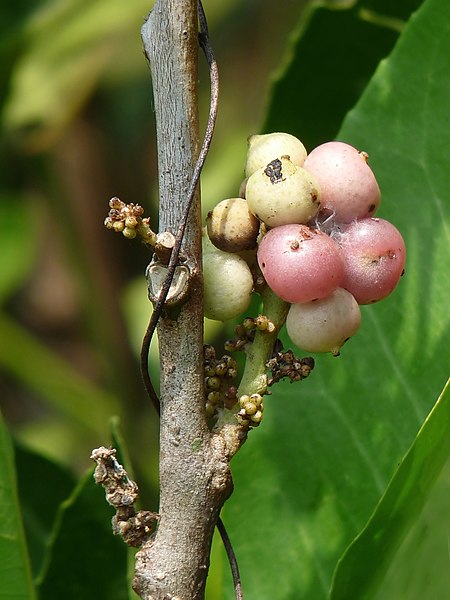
282, 192
300, 264
231, 226
347, 184
262, 149
228, 283
324, 325
374, 255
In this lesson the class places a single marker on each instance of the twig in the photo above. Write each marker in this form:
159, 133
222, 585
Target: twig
174, 258
214, 91
133, 526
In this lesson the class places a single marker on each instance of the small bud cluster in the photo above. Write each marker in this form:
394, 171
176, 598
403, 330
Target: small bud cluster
261, 323
219, 374
127, 219
251, 410
244, 333
286, 364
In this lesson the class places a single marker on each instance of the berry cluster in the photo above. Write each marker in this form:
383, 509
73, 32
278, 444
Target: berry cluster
307, 221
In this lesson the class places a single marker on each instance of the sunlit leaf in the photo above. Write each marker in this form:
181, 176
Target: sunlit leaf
330, 59
15, 572
368, 557
308, 480
420, 569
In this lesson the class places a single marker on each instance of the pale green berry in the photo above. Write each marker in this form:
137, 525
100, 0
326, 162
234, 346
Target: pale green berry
262, 149
131, 221
213, 383
210, 409
213, 397
228, 284
282, 193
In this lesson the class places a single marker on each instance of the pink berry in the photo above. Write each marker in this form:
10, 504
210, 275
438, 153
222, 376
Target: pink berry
374, 256
347, 184
300, 264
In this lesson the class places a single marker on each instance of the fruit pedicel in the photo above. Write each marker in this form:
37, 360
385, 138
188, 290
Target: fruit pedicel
306, 224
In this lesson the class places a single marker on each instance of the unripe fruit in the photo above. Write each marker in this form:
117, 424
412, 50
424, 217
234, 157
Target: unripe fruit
231, 226
262, 149
347, 184
374, 255
281, 193
228, 283
324, 325
300, 264
241, 193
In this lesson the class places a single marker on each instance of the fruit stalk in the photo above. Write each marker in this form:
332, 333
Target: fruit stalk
254, 379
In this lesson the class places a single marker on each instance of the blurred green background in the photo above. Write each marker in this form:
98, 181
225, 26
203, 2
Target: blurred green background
77, 127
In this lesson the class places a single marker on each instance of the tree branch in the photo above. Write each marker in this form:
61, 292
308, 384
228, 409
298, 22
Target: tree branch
194, 473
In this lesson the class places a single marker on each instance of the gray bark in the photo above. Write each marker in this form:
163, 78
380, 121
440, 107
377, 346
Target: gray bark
194, 472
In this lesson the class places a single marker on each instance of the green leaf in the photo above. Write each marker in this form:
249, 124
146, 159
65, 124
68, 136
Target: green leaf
72, 395
15, 572
420, 568
36, 475
309, 478
17, 243
367, 559
84, 559
332, 55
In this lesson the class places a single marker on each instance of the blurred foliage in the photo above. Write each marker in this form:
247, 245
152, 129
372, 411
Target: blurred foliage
317, 472
77, 128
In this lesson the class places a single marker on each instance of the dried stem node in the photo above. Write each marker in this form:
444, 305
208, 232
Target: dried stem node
122, 492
